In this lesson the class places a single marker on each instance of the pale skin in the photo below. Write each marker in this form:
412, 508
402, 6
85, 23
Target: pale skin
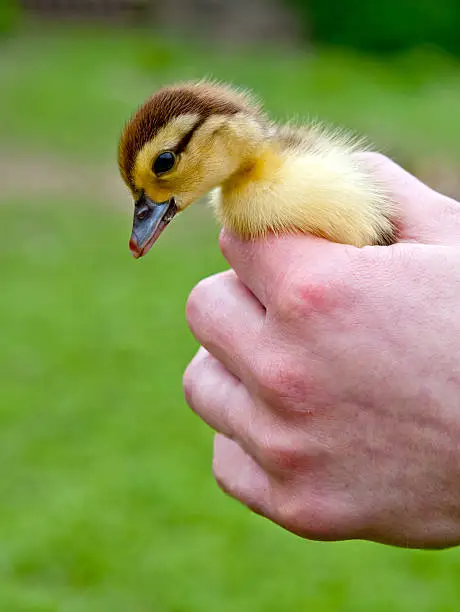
331, 376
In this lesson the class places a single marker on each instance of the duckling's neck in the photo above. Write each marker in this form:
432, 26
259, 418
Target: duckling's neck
256, 168
242, 201
263, 194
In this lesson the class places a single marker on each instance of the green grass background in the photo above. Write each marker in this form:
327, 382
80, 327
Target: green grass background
107, 501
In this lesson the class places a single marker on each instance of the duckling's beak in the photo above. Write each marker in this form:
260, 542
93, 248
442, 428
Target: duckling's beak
150, 219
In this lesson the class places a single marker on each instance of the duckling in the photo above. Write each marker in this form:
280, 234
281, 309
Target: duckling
193, 138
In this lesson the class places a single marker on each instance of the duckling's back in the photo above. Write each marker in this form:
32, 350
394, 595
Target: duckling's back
316, 184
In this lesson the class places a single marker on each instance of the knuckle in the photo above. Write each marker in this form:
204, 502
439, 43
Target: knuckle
281, 380
304, 297
314, 516
291, 512
291, 517
278, 451
285, 301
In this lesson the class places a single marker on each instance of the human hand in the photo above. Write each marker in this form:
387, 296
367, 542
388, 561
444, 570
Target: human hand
332, 376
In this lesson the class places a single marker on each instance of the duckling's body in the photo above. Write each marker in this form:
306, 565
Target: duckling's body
306, 180
263, 177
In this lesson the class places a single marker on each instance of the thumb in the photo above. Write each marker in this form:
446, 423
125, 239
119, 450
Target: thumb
422, 214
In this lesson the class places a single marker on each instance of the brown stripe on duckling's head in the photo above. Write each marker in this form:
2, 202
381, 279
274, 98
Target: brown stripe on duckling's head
201, 99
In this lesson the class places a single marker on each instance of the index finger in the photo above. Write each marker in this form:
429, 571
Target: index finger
422, 215
266, 264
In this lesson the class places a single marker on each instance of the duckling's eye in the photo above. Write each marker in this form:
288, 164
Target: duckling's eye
164, 162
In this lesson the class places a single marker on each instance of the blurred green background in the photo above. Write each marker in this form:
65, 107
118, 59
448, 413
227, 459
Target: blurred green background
107, 497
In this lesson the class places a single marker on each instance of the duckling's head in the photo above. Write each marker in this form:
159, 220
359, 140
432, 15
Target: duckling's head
182, 142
